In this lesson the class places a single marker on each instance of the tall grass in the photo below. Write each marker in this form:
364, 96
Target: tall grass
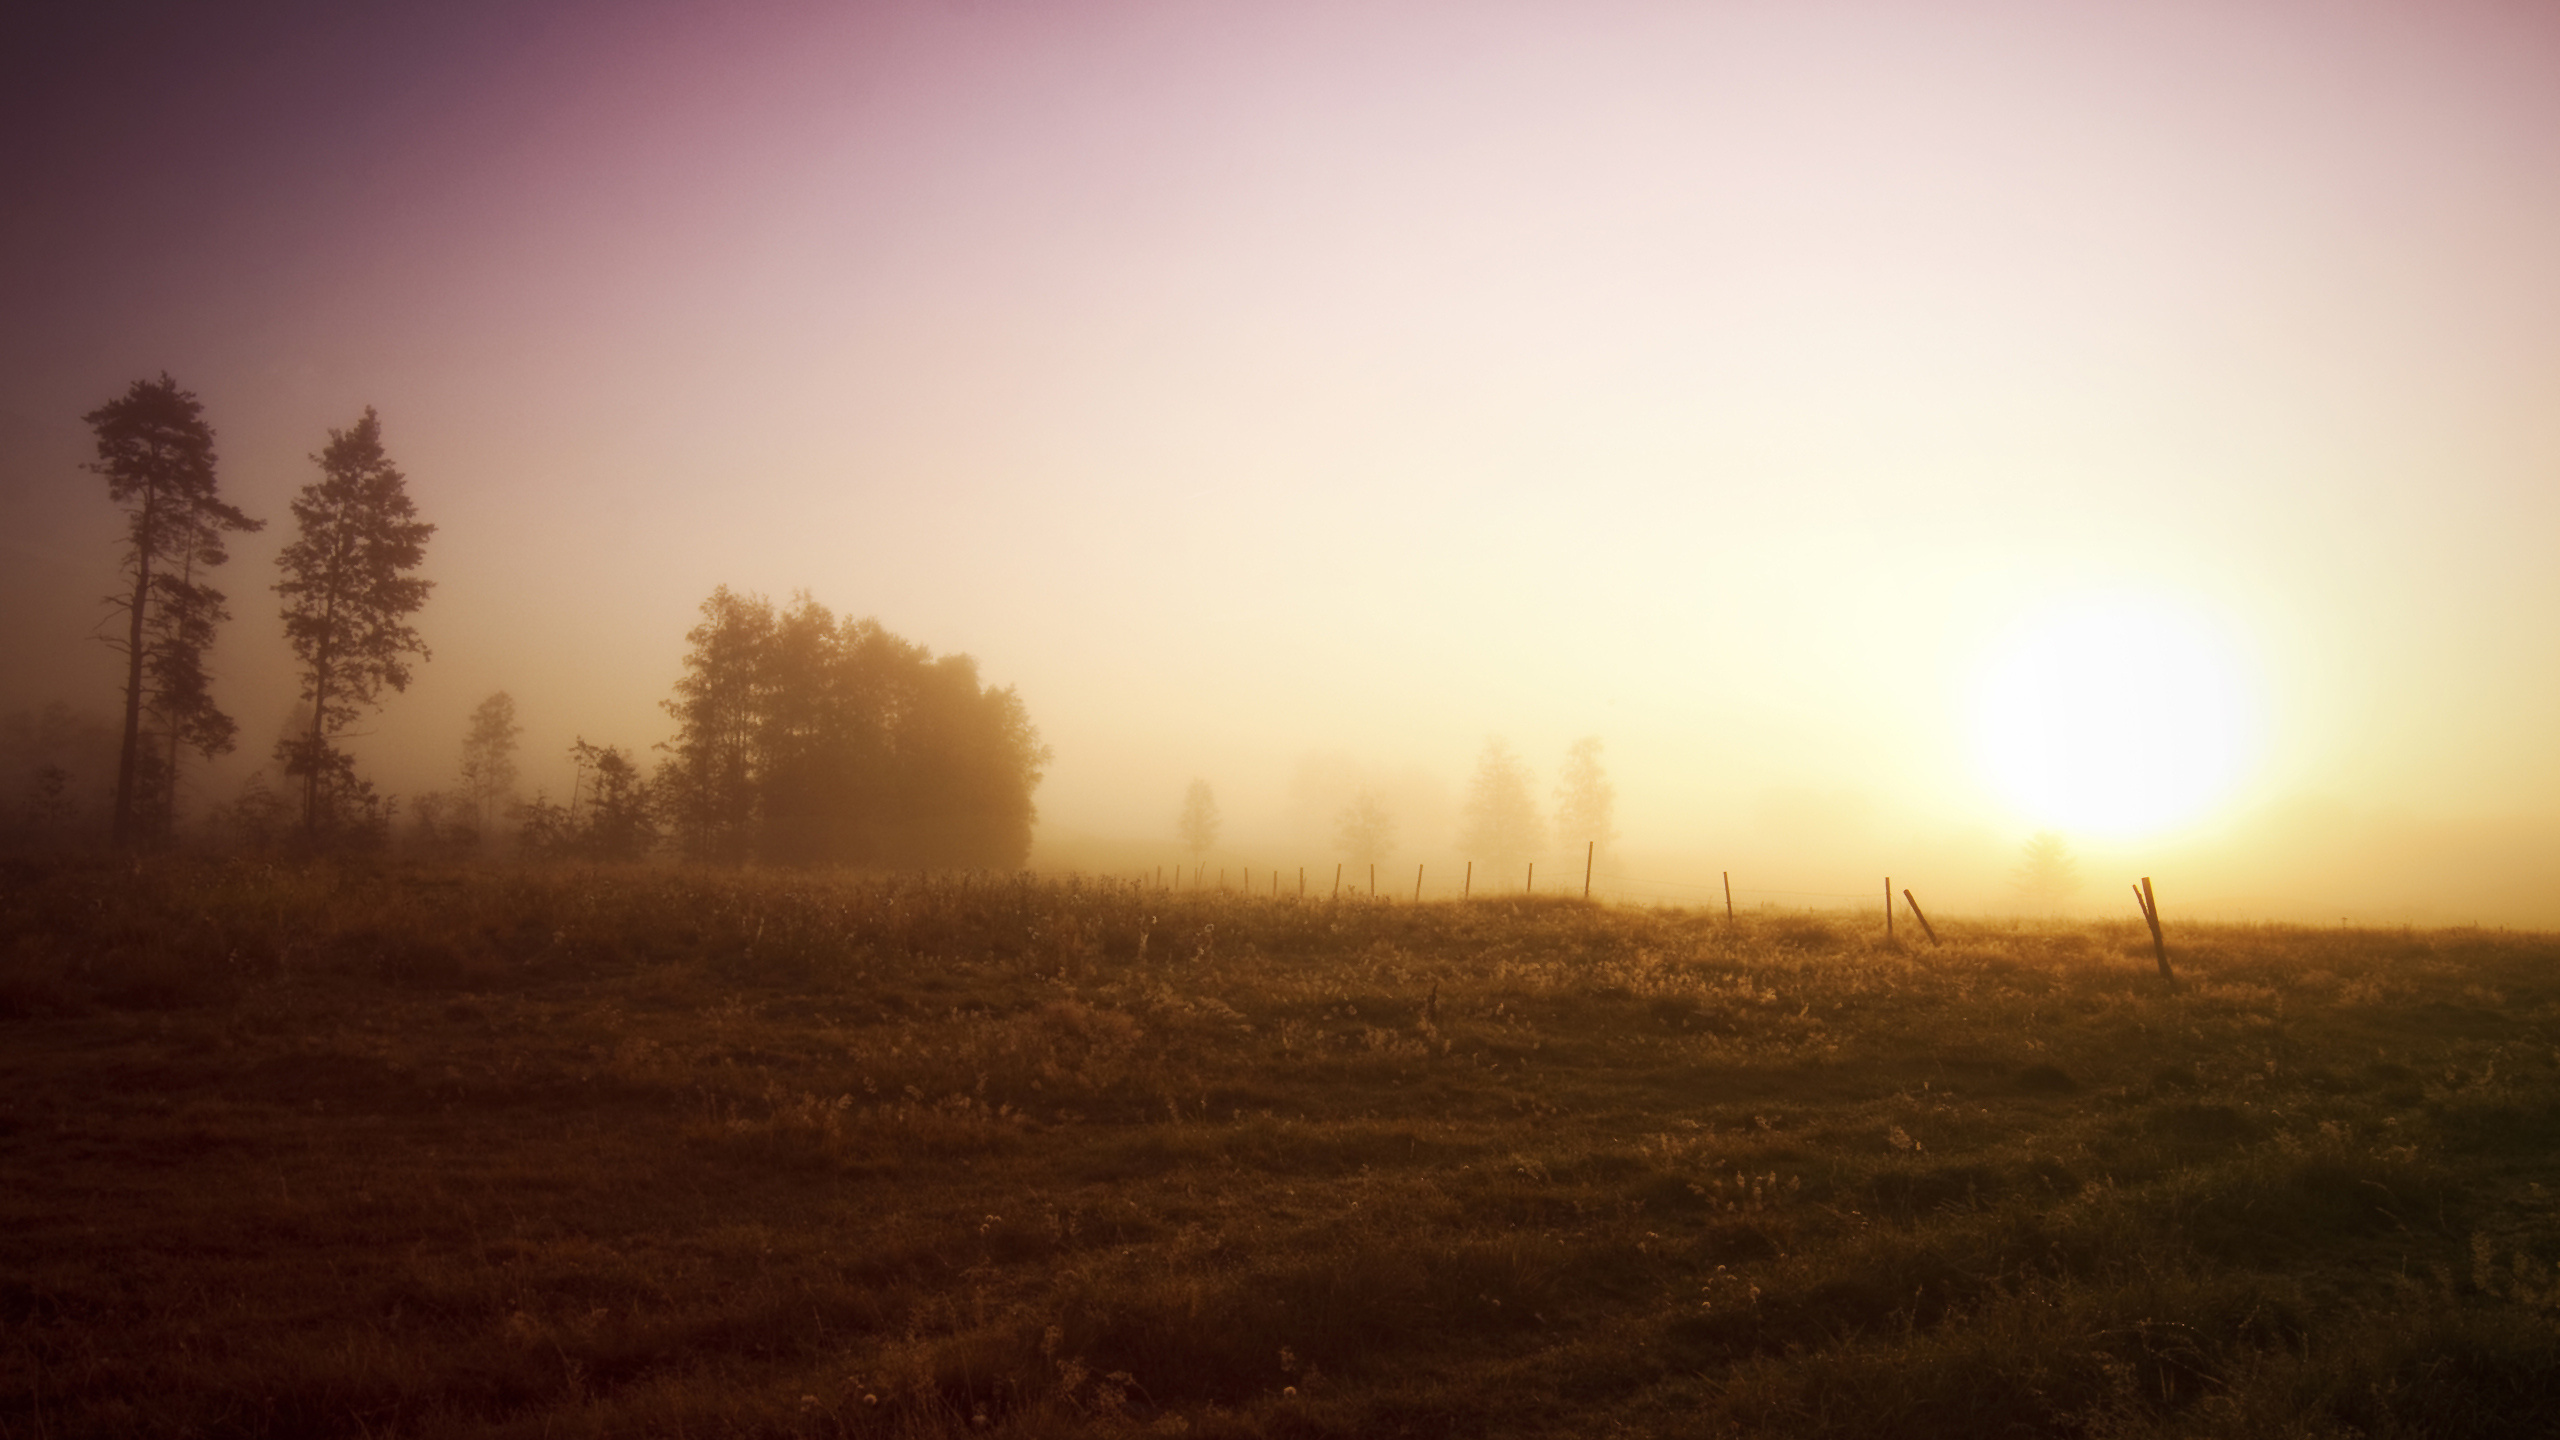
419, 1151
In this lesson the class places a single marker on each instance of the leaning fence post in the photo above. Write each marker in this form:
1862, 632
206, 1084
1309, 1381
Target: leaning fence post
1589, 849
1417, 884
1925, 927
1728, 897
1467, 891
2151, 916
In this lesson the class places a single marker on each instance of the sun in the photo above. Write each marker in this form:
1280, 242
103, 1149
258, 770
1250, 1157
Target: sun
2120, 717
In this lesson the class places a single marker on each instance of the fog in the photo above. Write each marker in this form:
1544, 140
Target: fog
1297, 399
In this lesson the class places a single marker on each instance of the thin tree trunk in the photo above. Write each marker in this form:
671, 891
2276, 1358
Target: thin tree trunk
169, 814
130, 757
311, 757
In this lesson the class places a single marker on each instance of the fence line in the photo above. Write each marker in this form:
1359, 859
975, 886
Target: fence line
1619, 887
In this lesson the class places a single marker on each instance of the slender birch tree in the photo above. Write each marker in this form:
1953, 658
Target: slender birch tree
348, 593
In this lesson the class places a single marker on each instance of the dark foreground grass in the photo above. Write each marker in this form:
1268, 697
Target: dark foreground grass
324, 1151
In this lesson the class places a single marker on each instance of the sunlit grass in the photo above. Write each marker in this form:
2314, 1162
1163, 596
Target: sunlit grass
422, 1152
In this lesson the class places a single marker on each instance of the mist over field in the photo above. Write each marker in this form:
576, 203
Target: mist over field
1893, 433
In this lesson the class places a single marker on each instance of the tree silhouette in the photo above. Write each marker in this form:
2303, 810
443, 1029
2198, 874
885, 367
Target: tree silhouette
804, 739
1586, 803
1197, 823
2048, 874
347, 595
713, 761
489, 761
181, 709
156, 452
1365, 830
608, 804
1499, 822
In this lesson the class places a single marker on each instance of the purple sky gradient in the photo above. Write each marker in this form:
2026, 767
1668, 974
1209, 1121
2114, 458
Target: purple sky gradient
1251, 382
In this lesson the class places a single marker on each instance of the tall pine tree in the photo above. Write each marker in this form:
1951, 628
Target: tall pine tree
156, 452
347, 595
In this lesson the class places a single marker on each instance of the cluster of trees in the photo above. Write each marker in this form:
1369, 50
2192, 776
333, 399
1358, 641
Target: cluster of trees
801, 738
346, 584
804, 738
1500, 823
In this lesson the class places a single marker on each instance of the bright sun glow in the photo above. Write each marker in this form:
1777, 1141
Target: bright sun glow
2117, 718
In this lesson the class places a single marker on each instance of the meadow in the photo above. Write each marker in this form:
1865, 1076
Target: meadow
418, 1151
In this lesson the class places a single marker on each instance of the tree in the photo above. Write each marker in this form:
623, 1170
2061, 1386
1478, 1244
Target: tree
2048, 874
713, 763
1499, 822
63, 763
1586, 803
1365, 830
347, 595
1197, 823
489, 762
608, 804
156, 452
182, 629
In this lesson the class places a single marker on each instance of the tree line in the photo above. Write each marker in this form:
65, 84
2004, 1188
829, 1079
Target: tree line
801, 738
1500, 822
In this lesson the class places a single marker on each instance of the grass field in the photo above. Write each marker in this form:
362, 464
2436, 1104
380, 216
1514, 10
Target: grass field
416, 1152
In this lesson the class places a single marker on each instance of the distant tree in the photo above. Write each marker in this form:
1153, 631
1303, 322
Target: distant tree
256, 818
156, 452
2048, 874
966, 759
805, 739
1586, 803
441, 823
1499, 823
348, 593
63, 764
609, 816
489, 763
48, 801
1365, 830
1197, 822
714, 764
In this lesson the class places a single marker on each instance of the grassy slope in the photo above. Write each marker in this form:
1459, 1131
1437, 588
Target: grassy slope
320, 1151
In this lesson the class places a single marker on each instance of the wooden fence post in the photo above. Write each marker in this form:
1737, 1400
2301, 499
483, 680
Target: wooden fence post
1468, 890
1728, 897
1417, 884
1589, 849
1925, 927
1337, 879
2151, 916
1530, 885
1888, 907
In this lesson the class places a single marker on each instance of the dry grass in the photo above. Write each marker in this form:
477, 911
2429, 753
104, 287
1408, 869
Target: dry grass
427, 1152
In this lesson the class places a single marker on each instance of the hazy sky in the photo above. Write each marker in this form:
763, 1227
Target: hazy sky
1750, 385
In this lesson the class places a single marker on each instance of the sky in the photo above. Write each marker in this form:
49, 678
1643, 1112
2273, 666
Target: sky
1283, 395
